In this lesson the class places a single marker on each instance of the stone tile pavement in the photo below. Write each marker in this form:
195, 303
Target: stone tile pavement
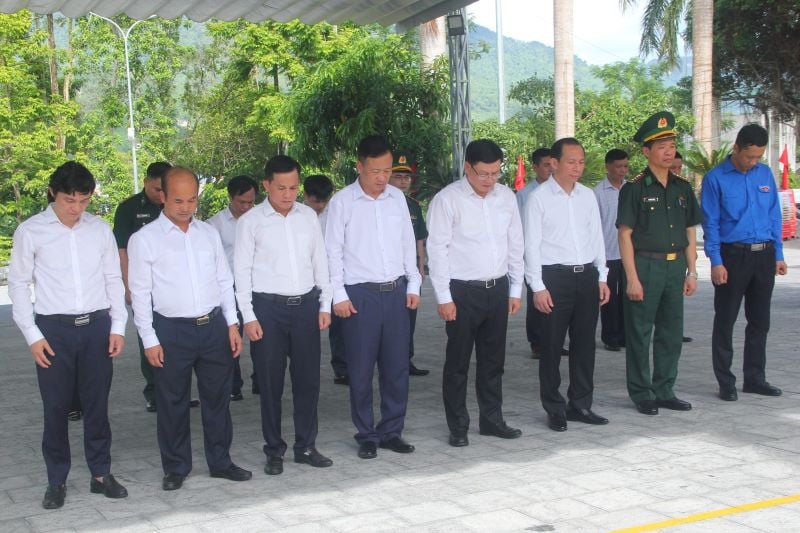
635, 471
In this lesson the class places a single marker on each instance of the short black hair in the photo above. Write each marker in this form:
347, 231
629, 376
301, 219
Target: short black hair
538, 154
752, 135
678, 155
177, 170
615, 154
319, 186
238, 185
557, 150
280, 164
70, 178
483, 151
373, 146
157, 170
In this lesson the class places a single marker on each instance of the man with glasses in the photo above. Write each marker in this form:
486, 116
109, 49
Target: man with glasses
475, 250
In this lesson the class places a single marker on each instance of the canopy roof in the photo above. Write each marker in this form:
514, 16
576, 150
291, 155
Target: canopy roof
404, 13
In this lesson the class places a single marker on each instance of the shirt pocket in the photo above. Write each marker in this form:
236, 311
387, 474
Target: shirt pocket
734, 202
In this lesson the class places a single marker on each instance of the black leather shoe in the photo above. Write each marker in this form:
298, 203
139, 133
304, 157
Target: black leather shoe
237, 397
274, 466
312, 457
341, 379
765, 389
501, 430
587, 416
647, 407
458, 440
151, 406
367, 450
536, 353
255, 390
108, 487
612, 347
687, 339
557, 421
172, 481
414, 371
397, 445
74, 416
194, 403
674, 404
54, 496
564, 352
728, 394
233, 473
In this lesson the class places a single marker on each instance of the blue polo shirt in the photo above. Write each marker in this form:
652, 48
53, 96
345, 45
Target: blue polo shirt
740, 207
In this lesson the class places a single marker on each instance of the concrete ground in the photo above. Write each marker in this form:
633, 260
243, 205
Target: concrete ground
638, 470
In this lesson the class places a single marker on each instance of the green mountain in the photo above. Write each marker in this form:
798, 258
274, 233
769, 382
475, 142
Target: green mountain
522, 60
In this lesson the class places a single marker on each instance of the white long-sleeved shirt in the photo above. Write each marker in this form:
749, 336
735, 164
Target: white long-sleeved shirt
73, 271
177, 274
370, 240
225, 224
280, 254
608, 202
562, 229
474, 238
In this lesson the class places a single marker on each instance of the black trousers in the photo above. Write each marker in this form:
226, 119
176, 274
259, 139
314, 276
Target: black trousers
531, 326
575, 309
81, 361
412, 320
206, 350
336, 339
378, 333
290, 332
612, 320
751, 275
481, 323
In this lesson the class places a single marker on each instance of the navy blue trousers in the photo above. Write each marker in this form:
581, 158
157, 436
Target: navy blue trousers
290, 332
378, 333
336, 338
206, 350
81, 361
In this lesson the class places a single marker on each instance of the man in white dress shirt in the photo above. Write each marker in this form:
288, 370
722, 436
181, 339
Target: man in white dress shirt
612, 328
284, 293
565, 265
75, 327
185, 312
373, 267
242, 191
475, 248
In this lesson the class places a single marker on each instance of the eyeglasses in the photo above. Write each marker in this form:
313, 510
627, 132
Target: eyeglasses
486, 175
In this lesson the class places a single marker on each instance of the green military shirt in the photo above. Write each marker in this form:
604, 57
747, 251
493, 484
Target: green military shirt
417, 221
658, 216
131, 215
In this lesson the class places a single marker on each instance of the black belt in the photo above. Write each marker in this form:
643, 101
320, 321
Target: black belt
386, 286
575, 269
669, 256
751, 247
287, 300
76, 320
483, 284
197, 321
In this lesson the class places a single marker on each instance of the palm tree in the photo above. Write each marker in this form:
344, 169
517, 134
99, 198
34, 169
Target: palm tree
432, 40
564, 76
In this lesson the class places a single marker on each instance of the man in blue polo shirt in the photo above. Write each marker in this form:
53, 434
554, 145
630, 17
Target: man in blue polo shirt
742, 225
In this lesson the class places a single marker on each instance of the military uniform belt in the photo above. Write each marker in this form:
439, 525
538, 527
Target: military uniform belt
483, 284
290, 301
575, 269
76, 320
197, 321
751, 247
668, 256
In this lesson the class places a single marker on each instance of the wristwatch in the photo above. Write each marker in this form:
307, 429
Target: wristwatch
691, 275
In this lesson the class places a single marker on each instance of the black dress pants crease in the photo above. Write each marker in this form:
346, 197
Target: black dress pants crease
612, 320
481, 323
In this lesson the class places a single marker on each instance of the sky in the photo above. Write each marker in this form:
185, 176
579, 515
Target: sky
603, 34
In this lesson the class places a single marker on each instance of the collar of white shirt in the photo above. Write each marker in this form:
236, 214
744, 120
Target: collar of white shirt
269, 210
166, 224
390, 190
555, 188
49, 215
467, 189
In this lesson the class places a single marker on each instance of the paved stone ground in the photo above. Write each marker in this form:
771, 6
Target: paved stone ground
636, 470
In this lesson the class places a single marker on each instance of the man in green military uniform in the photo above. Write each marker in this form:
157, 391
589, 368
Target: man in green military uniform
131, 215
402, 176
656, 218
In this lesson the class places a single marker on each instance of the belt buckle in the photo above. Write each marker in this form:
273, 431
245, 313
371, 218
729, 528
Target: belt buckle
577, 269
388, 286
672, 256
202, 320
491, 283
294, 300
758, 247
82, 320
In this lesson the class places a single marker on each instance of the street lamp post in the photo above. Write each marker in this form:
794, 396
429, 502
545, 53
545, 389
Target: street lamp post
131, 130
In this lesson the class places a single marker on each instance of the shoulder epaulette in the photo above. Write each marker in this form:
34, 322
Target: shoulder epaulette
682, 178
413, 200
637, 177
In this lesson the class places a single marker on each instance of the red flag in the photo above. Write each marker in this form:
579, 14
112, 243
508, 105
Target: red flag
785, 160
519, 182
